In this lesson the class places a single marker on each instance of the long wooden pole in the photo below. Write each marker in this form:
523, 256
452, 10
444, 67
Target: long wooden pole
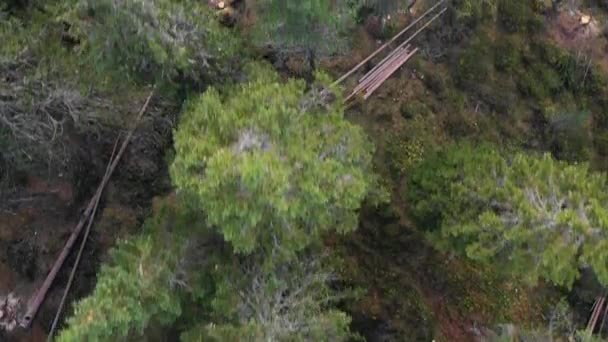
373, 75
596, 311
379, 65
407, 41
341, 79
389, 72
79, 255
380, 74
405, 44
386, 60
35, 302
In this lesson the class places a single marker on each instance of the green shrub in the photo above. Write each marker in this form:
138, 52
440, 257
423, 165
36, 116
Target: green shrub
435, 81
475, 63
550, 78
414, 108
508, 54
404, 153
152, 41
518, 16
476, 11
407, 146
314, 25
569, 137
142, 284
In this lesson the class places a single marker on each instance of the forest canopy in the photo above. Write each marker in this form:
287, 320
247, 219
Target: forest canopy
465, 199
536, 216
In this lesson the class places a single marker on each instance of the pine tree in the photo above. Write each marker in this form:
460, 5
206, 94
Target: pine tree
266, 172
290, 301
534, 215
143, 283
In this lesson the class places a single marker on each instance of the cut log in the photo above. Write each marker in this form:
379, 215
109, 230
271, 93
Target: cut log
389, 72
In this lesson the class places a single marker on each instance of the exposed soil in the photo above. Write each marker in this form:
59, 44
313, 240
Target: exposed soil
37, 217
31, 232
589, 40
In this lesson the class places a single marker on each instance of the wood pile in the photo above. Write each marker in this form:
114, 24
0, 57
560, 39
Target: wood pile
372, 80
599, 309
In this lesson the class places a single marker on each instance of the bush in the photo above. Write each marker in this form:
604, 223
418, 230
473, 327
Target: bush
517, 16
142, 284
404, 152
476, 11
37, 104
508, 55
152, 41
569, 136
317, 26
530, 85
414, 108
475, 63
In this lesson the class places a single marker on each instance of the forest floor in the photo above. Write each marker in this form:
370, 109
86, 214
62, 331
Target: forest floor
38, 214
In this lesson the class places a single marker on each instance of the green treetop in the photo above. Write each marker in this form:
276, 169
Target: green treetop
292, 301
267, 168
538, 217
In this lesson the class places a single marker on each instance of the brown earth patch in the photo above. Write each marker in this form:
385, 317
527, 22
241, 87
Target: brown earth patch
590, 40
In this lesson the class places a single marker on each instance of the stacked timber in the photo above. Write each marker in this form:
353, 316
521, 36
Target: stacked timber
375, 77
372, 80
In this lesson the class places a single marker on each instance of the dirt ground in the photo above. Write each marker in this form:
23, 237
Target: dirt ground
38, 214
589, 40
33, 224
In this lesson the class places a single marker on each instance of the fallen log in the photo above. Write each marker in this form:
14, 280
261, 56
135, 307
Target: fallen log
36, 300
79, 255
389, 72
379, 65
371, 77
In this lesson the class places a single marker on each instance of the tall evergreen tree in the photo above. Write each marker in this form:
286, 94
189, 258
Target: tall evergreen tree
267, 172
534, 215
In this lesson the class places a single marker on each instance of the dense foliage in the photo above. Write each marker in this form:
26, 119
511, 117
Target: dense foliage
268, 172
79, 67
142, 283
538, 217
